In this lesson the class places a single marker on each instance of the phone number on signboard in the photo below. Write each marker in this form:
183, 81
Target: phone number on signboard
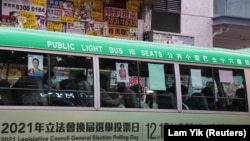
25, 7
121, 21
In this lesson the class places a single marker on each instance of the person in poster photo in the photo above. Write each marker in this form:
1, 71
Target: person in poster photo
122, 72
35, 65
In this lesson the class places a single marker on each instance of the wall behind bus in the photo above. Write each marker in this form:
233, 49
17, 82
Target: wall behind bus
196, 21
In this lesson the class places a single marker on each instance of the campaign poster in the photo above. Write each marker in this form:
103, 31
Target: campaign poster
122, 72
35, 65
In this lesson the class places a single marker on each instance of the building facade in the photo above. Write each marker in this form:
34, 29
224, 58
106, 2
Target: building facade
182, 22
231, 24
206, 23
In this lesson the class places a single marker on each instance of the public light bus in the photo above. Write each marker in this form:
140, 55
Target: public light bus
98, 88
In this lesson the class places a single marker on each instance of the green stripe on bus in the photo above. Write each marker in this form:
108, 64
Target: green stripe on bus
58, 41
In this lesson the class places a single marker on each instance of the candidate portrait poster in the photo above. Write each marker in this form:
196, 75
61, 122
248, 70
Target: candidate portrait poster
35, 65
122, 72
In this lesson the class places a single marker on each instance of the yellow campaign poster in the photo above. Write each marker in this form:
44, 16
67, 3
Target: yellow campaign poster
29, 20
91, 9
54, 26
123, 32
133, 5
39, 2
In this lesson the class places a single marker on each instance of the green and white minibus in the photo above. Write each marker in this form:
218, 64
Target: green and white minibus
80, 94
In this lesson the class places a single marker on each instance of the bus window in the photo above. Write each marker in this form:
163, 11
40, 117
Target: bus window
232, 89
23, 72
211, 88
200, 95
143, 84
73, 81
24, 75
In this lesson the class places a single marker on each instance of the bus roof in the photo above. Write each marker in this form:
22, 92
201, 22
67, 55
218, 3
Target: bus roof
60, 41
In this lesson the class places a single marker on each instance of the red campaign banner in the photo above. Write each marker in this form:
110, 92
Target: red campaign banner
120, 17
